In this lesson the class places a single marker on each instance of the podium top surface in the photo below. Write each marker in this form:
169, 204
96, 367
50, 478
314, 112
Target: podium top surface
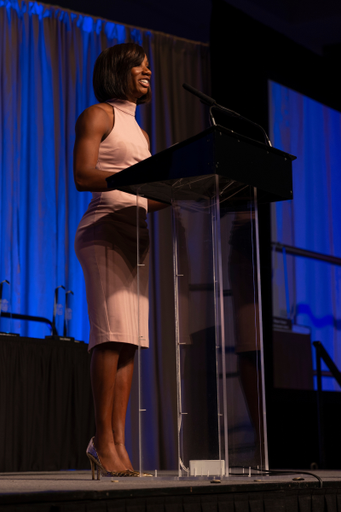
236, 159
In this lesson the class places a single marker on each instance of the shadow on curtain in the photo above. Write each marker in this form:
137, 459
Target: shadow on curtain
47, 56
312, 132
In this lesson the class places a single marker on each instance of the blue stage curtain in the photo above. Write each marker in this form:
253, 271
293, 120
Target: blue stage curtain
47, 56
312, 132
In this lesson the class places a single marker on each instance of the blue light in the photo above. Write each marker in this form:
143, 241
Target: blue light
312, 132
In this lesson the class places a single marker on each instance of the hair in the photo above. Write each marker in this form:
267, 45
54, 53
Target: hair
112, 72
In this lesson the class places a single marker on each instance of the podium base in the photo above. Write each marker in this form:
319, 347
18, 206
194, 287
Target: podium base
207, 467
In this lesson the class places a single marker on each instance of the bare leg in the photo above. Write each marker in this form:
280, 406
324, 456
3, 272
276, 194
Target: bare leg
124, 378
103, 371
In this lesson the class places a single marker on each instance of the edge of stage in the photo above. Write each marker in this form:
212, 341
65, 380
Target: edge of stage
74, 490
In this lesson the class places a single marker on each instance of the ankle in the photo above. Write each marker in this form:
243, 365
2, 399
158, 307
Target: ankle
103, 439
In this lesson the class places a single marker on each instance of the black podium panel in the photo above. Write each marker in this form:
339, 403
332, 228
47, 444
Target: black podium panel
236, 159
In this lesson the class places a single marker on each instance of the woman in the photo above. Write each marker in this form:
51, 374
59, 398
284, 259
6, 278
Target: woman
108, 139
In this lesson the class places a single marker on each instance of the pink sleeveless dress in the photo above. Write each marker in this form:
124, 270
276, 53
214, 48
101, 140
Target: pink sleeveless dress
106, 244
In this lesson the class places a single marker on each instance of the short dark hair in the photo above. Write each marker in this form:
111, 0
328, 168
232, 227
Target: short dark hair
112, 72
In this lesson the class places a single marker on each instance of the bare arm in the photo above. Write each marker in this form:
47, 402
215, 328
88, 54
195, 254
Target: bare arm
153, 206
91, 128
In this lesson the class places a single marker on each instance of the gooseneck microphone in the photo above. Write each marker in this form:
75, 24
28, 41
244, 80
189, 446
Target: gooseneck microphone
207, 100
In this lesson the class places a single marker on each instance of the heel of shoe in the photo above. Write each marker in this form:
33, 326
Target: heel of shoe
95, 467
92, 465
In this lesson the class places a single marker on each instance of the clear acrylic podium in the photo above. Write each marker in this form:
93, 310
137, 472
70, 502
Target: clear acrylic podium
214, 183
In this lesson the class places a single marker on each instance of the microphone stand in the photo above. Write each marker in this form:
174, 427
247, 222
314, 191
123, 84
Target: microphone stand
207, 100
55, 336
55, 302
66, 319
1, 304
1, 286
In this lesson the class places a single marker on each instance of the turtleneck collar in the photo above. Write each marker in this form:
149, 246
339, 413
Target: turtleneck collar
126, 106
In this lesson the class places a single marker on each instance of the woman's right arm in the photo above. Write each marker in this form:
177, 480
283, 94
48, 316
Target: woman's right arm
91, 128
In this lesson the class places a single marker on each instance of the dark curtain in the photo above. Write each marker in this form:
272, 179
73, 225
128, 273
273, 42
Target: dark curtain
46, 412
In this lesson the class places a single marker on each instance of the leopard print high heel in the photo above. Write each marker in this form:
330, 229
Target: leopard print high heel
95, 463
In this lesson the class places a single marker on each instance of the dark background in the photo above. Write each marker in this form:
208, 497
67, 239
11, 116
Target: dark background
311, 23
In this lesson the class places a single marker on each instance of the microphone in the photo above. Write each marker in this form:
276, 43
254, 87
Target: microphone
207, 100
204, 99
213, 104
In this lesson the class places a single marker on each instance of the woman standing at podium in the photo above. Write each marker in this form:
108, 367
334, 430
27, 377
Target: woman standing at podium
108, 140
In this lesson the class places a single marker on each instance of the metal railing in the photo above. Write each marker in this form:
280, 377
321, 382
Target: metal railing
41, 319
20, 316
30, 318
296, 251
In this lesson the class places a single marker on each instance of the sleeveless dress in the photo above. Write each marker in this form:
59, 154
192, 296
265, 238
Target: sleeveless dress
106, 242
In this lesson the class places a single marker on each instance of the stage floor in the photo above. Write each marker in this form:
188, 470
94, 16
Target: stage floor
75, 481
49, 490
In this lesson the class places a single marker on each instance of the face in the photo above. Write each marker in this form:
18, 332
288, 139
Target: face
139, 82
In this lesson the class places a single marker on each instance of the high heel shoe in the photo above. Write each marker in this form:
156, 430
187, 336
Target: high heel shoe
134, 473
95, 463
